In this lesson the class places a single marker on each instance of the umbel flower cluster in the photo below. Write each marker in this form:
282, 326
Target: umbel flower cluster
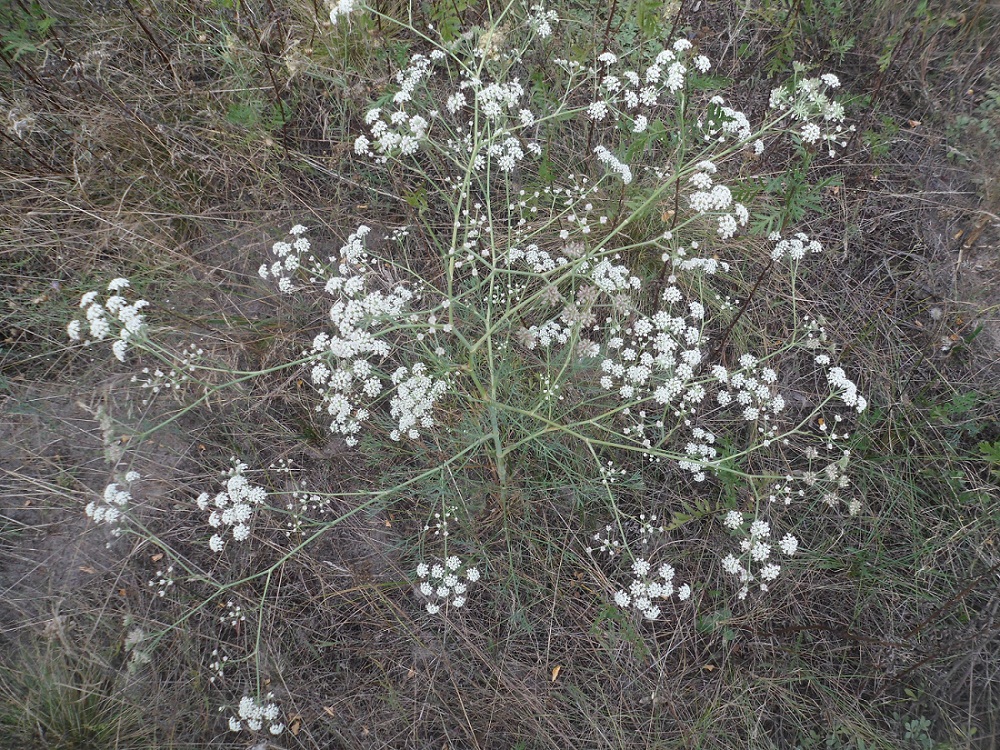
346, 361
809, 102
102, 318
445, 583
754, 563
113, 504
232, 510
253, 715
649, 586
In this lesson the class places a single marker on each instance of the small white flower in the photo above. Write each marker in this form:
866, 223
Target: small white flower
810, 132
789, 544
640, 567
734, 519
247, 707
597, 111
342, 8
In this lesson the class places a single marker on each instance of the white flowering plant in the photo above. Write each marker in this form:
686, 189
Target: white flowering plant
564, 314
564, 281
542, 281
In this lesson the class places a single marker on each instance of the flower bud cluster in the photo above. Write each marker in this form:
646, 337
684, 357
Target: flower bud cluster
643, 531
573, 204
162, 581
678, 256
233, 615
609, 472
607, 542
116, 310
439, 524
301, 503
218, 666
441, 583
156, 380
232, 509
